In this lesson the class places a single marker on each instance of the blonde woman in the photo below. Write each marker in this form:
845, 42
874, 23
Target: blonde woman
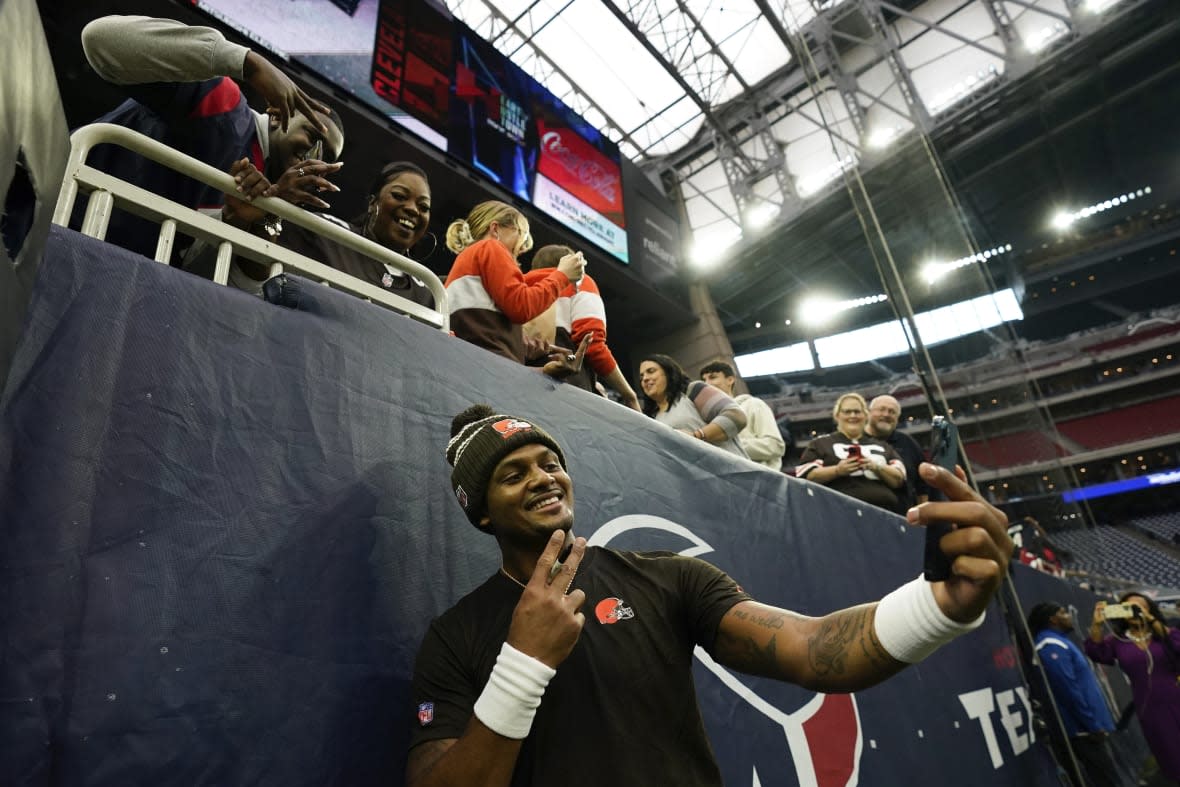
852, 461
488, 295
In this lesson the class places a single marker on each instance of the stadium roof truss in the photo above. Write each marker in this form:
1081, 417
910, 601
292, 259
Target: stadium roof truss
749, 108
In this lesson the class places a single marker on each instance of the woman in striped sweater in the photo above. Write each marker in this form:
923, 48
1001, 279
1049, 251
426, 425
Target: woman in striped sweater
487, 294
692, 407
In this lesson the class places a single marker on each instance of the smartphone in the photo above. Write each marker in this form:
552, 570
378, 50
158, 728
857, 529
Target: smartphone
944, 446
854, 451
944, 452
1121, 611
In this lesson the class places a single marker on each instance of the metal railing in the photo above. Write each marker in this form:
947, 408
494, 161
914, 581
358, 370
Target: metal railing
108, 192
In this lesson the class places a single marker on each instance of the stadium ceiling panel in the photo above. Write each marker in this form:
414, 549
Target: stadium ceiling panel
784, 92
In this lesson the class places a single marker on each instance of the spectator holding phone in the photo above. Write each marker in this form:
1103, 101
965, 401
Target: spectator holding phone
1083, 707
490, 300
1148, 653
853, 462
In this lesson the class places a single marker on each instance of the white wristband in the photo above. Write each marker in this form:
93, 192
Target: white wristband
910, 625
513, 693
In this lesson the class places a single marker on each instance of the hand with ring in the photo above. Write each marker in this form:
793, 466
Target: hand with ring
562, 364
300, 184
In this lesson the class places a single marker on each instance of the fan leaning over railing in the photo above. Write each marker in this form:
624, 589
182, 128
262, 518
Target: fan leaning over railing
108, 192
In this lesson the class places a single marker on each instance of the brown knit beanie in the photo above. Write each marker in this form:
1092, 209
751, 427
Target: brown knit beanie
480, 438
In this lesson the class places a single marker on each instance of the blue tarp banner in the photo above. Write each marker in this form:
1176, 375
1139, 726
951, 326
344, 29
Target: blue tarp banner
227, 524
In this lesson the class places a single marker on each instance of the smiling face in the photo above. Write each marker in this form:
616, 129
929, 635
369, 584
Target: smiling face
653, 381
850, 416
720, 380
403, 211
883, 414
529, 496
301, 139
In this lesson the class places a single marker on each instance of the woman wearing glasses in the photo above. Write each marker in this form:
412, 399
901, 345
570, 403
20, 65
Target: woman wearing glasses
853, 462
488, 296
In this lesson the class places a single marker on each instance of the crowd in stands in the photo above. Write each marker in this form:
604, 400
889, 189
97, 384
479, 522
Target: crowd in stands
181, 88
510, 476
180, 83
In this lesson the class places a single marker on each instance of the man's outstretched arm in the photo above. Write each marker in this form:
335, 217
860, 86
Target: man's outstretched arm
861, 646
135, 50
142, 50
839, 652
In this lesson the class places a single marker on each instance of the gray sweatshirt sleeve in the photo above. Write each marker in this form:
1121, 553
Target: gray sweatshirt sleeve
134, 50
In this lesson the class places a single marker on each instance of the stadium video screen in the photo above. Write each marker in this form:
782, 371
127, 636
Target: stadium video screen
416, 64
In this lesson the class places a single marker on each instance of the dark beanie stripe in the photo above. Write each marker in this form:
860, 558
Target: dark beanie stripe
478, 447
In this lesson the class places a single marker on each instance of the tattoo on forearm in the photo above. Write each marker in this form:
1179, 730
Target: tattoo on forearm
766, 621
752, 652
759, 659
828, 649
872, 648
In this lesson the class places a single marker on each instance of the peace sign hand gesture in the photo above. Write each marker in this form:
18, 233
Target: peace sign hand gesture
547, 622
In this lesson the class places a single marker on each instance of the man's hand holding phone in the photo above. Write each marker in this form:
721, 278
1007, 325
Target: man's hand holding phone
977, 549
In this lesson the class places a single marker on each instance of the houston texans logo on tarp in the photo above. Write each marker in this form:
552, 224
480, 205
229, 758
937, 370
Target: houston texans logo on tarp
823, 736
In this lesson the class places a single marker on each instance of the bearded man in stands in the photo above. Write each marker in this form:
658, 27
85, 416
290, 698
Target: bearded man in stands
180, 83
884, 415
515, 677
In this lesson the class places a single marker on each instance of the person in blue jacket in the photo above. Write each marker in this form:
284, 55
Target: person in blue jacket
1079, 698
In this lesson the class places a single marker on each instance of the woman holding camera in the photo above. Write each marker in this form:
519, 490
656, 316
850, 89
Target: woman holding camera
853, 462
1148, 653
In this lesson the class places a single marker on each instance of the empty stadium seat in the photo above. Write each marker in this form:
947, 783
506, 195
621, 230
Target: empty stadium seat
1111, 552
1125, 425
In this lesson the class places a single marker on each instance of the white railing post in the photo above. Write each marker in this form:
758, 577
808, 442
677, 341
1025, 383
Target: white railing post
108, 192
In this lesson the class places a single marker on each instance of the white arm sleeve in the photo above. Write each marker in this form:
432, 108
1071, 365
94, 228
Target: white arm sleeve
133, 50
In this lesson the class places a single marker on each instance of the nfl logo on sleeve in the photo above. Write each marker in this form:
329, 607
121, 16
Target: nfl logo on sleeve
425, 713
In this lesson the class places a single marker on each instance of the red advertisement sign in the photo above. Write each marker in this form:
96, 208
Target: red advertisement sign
576, 166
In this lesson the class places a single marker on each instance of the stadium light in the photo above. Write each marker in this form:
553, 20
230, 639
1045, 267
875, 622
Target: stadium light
1045, 36
880, 138
963, 88
1098, 6
933, 271
819, 309
1064, 219
709, 249
810, 184
761, 214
